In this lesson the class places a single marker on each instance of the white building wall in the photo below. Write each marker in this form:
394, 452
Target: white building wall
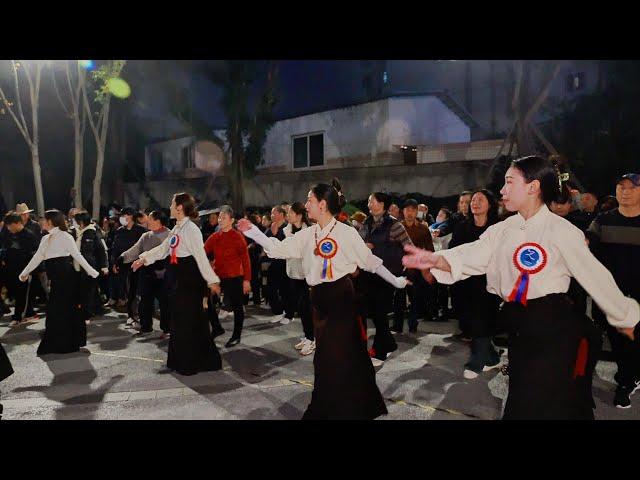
367, 133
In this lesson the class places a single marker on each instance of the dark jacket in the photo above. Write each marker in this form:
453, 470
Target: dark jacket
92, 249
384, 247
123, 240
19, 249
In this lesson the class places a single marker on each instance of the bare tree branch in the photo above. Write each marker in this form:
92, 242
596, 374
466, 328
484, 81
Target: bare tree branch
55, 88
24, 133
17, 86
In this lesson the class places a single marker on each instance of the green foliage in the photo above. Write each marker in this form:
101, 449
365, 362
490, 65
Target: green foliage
101, 75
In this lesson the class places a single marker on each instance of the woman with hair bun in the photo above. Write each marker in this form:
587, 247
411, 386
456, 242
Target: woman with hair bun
330, 251
191, 348
65, 330
529, 260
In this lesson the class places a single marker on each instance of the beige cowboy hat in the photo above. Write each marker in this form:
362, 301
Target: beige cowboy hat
22, 208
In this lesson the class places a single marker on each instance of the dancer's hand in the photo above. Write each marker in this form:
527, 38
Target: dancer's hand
628, 332
105, 271
402, 282
370, 245
24, 278
137, 264
418, 258
246, 287
244, 225
215, 288
428, 277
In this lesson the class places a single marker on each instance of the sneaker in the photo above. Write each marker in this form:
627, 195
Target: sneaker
309, 348
277, 318
376, 362
34, 317
623, 394
286, 321
165, 335
110, 303
14, 323
222, 314
130, 322
264, 306
232, 342
303, 341
141, 333
470, 374
136, 325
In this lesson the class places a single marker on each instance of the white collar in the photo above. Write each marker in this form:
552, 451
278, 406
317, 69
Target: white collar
324, 231
54, 230
538, 217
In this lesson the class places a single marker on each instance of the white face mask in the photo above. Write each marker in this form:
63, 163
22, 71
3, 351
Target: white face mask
112, 213
421, 215
123, 221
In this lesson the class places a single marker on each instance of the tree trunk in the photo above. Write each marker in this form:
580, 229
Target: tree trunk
37, 178
97, 182
77, 174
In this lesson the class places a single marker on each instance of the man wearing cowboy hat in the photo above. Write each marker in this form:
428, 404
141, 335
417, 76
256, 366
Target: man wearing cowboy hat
24, 211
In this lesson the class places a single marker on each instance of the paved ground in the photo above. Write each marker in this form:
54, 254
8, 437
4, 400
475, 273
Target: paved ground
263, 378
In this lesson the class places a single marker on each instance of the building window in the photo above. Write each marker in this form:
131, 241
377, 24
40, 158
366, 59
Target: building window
187, 157
575, 82
410, 154
156, 162
308, 151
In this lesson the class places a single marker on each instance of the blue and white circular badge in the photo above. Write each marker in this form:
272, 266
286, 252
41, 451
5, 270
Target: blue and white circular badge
530, 258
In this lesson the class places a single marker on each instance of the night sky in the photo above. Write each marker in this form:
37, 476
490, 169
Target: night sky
303, 87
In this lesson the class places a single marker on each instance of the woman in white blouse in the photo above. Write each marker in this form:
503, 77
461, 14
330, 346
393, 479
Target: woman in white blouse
529, 260
345, 385
189, 273
65, 330
298, 297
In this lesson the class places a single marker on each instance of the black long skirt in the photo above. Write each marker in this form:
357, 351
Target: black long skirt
65, 330
6, 370
191, 348
345, 380
553, 351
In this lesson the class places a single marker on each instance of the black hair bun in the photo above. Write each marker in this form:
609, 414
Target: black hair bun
335, 183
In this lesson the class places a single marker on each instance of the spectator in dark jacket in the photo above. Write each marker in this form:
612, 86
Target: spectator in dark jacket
92, 248
20, 245
126, 287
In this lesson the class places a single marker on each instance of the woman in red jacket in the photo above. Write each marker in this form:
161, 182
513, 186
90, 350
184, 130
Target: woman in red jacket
229, 250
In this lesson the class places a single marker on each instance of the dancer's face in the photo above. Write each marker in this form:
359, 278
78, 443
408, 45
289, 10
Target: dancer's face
314, 207
516, 192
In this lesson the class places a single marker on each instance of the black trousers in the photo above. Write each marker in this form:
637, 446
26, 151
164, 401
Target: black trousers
132, 293
256, 279
23, 293
420, 295
379, 302
153, 288
276, 286
298, 301
232, 290
86, 288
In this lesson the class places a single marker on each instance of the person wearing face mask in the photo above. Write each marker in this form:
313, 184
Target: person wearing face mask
529, 260
90, 245
424, 215
125, 237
